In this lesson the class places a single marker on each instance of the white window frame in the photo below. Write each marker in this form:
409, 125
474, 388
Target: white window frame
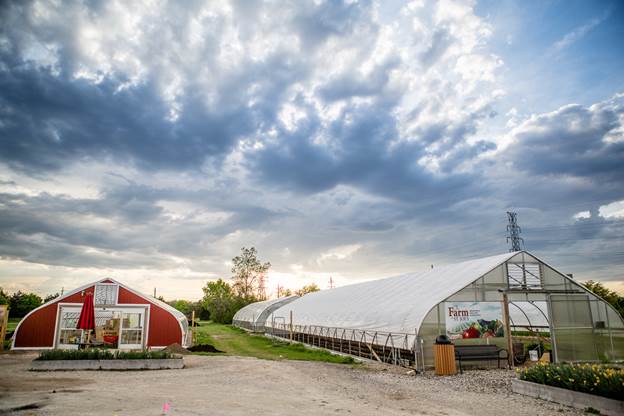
528, 280
57, 332
143, 312
143, 309
115, 300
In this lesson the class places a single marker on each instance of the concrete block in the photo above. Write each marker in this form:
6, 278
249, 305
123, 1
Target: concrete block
567, 397
64, 365
114, 365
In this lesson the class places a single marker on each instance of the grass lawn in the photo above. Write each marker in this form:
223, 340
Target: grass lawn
12, 323
235, 341
10, 327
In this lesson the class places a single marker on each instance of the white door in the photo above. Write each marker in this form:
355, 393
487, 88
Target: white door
68, 337
132, 329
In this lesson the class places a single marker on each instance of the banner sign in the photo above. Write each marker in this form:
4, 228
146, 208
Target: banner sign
474, 319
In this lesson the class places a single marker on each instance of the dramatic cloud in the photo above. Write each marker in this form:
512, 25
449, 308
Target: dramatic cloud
150, 141
573, 141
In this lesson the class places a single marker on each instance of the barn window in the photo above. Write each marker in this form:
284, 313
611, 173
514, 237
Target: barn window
105, 294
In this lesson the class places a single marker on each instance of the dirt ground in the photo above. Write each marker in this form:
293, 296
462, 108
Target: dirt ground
220, 385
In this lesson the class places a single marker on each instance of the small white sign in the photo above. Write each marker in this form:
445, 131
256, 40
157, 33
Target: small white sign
533, 355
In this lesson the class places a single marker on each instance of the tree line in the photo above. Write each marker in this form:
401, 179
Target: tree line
610, 296
222, 299
20, 303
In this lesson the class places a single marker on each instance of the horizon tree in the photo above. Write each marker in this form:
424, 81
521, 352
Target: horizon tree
221, 301
249, 275
312, 287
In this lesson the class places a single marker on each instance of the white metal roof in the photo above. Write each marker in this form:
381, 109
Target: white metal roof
395, 304
258, 312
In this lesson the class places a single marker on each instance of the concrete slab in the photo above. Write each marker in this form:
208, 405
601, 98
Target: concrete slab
572, 398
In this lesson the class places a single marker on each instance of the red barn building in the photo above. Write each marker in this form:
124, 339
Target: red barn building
125, 319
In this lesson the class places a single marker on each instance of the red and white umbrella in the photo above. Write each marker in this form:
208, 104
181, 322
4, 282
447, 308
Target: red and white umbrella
86, 321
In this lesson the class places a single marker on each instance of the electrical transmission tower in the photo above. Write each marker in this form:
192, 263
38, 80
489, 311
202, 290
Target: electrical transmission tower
517, 243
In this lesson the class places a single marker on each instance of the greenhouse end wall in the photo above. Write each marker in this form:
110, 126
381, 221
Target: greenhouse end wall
253, 317
484, 289
580, 325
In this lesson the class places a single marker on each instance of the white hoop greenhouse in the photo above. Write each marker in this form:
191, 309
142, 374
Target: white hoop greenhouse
479, 301
253, 316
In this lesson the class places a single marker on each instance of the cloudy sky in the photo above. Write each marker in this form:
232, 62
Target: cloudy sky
150, 141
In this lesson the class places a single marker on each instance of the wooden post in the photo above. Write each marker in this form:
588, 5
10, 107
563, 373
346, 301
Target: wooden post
508, 329
291, 326
4, 321
193, 327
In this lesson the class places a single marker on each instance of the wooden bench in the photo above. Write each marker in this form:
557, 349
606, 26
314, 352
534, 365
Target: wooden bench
478, 353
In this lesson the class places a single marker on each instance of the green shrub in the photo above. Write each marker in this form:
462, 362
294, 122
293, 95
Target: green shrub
100, 354
595, 379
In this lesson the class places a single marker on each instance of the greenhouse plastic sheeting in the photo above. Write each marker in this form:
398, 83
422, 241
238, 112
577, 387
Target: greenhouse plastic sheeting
396, 304
258, 312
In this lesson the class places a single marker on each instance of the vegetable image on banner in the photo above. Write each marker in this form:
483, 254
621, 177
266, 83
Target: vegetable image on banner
474, 319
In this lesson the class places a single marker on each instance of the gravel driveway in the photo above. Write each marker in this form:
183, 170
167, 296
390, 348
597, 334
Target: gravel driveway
221, 385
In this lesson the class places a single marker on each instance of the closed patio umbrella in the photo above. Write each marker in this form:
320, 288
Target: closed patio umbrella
86, 321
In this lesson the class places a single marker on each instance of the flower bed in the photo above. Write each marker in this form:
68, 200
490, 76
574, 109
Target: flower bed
601, 380
97, 354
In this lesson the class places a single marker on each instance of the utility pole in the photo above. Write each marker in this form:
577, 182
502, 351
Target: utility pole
513, 229
279, 291
331, 282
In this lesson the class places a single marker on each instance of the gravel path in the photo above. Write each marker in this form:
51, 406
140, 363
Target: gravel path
246, 386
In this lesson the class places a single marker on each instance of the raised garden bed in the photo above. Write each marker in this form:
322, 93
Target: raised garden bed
599, 387
568, 397
596, 379
72, 360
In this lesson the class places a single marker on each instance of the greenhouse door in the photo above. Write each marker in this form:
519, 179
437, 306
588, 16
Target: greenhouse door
131, 332
571, 328
67, 336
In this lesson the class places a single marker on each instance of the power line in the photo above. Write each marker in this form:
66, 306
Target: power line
517, 243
